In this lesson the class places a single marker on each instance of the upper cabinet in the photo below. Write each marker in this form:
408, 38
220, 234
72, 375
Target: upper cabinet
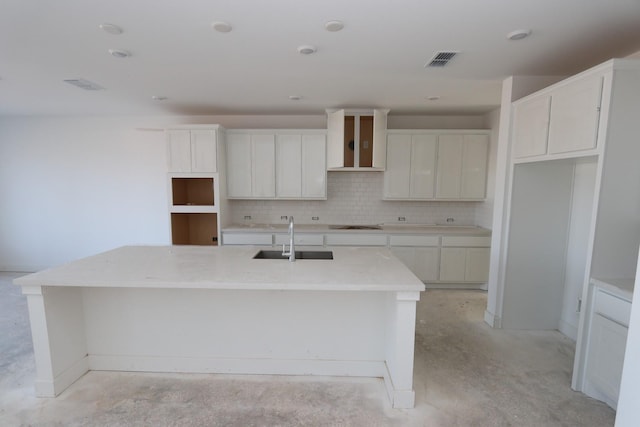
276, 164
356, 139
559, 121
436, 165
193, 150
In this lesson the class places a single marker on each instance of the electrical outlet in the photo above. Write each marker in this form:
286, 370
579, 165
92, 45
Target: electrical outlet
450, 220
315, 218
401, 218
284, 217
247, 217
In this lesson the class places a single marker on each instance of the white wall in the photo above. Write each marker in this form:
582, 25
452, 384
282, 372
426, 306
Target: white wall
74, 187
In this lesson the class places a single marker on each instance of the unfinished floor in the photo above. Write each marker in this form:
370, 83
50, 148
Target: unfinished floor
466, 374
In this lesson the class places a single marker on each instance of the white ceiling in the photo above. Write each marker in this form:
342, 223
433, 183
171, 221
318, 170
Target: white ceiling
377, 60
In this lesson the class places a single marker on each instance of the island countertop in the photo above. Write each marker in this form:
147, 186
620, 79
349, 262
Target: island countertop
210, 267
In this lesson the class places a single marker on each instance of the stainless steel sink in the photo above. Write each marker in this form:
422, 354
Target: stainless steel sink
299, 255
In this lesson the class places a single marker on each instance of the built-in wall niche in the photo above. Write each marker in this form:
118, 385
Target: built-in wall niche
194, 228
551, 220
192, 191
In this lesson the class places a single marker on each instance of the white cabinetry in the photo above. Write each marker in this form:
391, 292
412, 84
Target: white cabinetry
250, 165
607, 345
575, 111
436, 165
276, 164
348, 239
559, 121
464, 259
462, 166
357, 139
192, 150
421, 254
301, 166
411, 163
531, 127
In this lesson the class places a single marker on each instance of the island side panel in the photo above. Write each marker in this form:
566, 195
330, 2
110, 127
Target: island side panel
400, 344
56, 315
242, 331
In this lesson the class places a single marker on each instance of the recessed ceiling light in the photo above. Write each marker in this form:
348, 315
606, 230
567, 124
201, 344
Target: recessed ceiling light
221, 27
110, 28
159, 98
334, 26
119, 53
295, 97
518, 34
432, 97
307, 49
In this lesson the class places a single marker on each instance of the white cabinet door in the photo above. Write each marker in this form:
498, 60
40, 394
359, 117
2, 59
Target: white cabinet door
575, 113
179, 150
474, 167
397, 177
477, 265
203, 151
423, 165
426, 264
380, 138
192, 150
531, 127
335, 139
452, 264
606, 357
462, 166
263, 160
239, 165
314, 166
449, 166
411, 164
289, 166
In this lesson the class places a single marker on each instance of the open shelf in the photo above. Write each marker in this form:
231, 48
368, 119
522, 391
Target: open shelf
194, 228
192, 191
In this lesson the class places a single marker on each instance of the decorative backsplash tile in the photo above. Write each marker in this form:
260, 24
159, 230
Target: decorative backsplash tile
356, 198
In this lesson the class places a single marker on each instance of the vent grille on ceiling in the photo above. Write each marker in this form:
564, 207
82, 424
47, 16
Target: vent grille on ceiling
84, 84
440, 59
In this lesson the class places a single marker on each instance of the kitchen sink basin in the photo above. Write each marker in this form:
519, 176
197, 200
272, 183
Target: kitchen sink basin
299, 255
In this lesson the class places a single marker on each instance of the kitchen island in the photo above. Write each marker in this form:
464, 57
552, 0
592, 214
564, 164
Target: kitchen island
218, 310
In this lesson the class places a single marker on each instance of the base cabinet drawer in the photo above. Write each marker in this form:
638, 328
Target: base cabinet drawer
300, 239
247, 239
356, 239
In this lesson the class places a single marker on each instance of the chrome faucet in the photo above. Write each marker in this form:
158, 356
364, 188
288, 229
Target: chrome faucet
292, 250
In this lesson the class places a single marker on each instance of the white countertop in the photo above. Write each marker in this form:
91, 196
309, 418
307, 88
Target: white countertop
231, 267
385, 228
622, 287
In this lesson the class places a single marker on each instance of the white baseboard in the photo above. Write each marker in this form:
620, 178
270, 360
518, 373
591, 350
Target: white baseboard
492, 320
568, 330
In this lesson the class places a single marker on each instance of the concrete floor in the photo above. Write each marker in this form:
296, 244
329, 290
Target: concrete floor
466, 374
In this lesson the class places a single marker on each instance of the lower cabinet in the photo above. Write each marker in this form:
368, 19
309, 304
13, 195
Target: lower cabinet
607, 345
433, 259
423, 262
465, 259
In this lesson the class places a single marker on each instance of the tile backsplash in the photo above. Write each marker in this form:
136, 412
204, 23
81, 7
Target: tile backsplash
353, 198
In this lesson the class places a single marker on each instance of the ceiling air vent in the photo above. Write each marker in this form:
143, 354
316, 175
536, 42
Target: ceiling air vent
84, 84
440, 59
